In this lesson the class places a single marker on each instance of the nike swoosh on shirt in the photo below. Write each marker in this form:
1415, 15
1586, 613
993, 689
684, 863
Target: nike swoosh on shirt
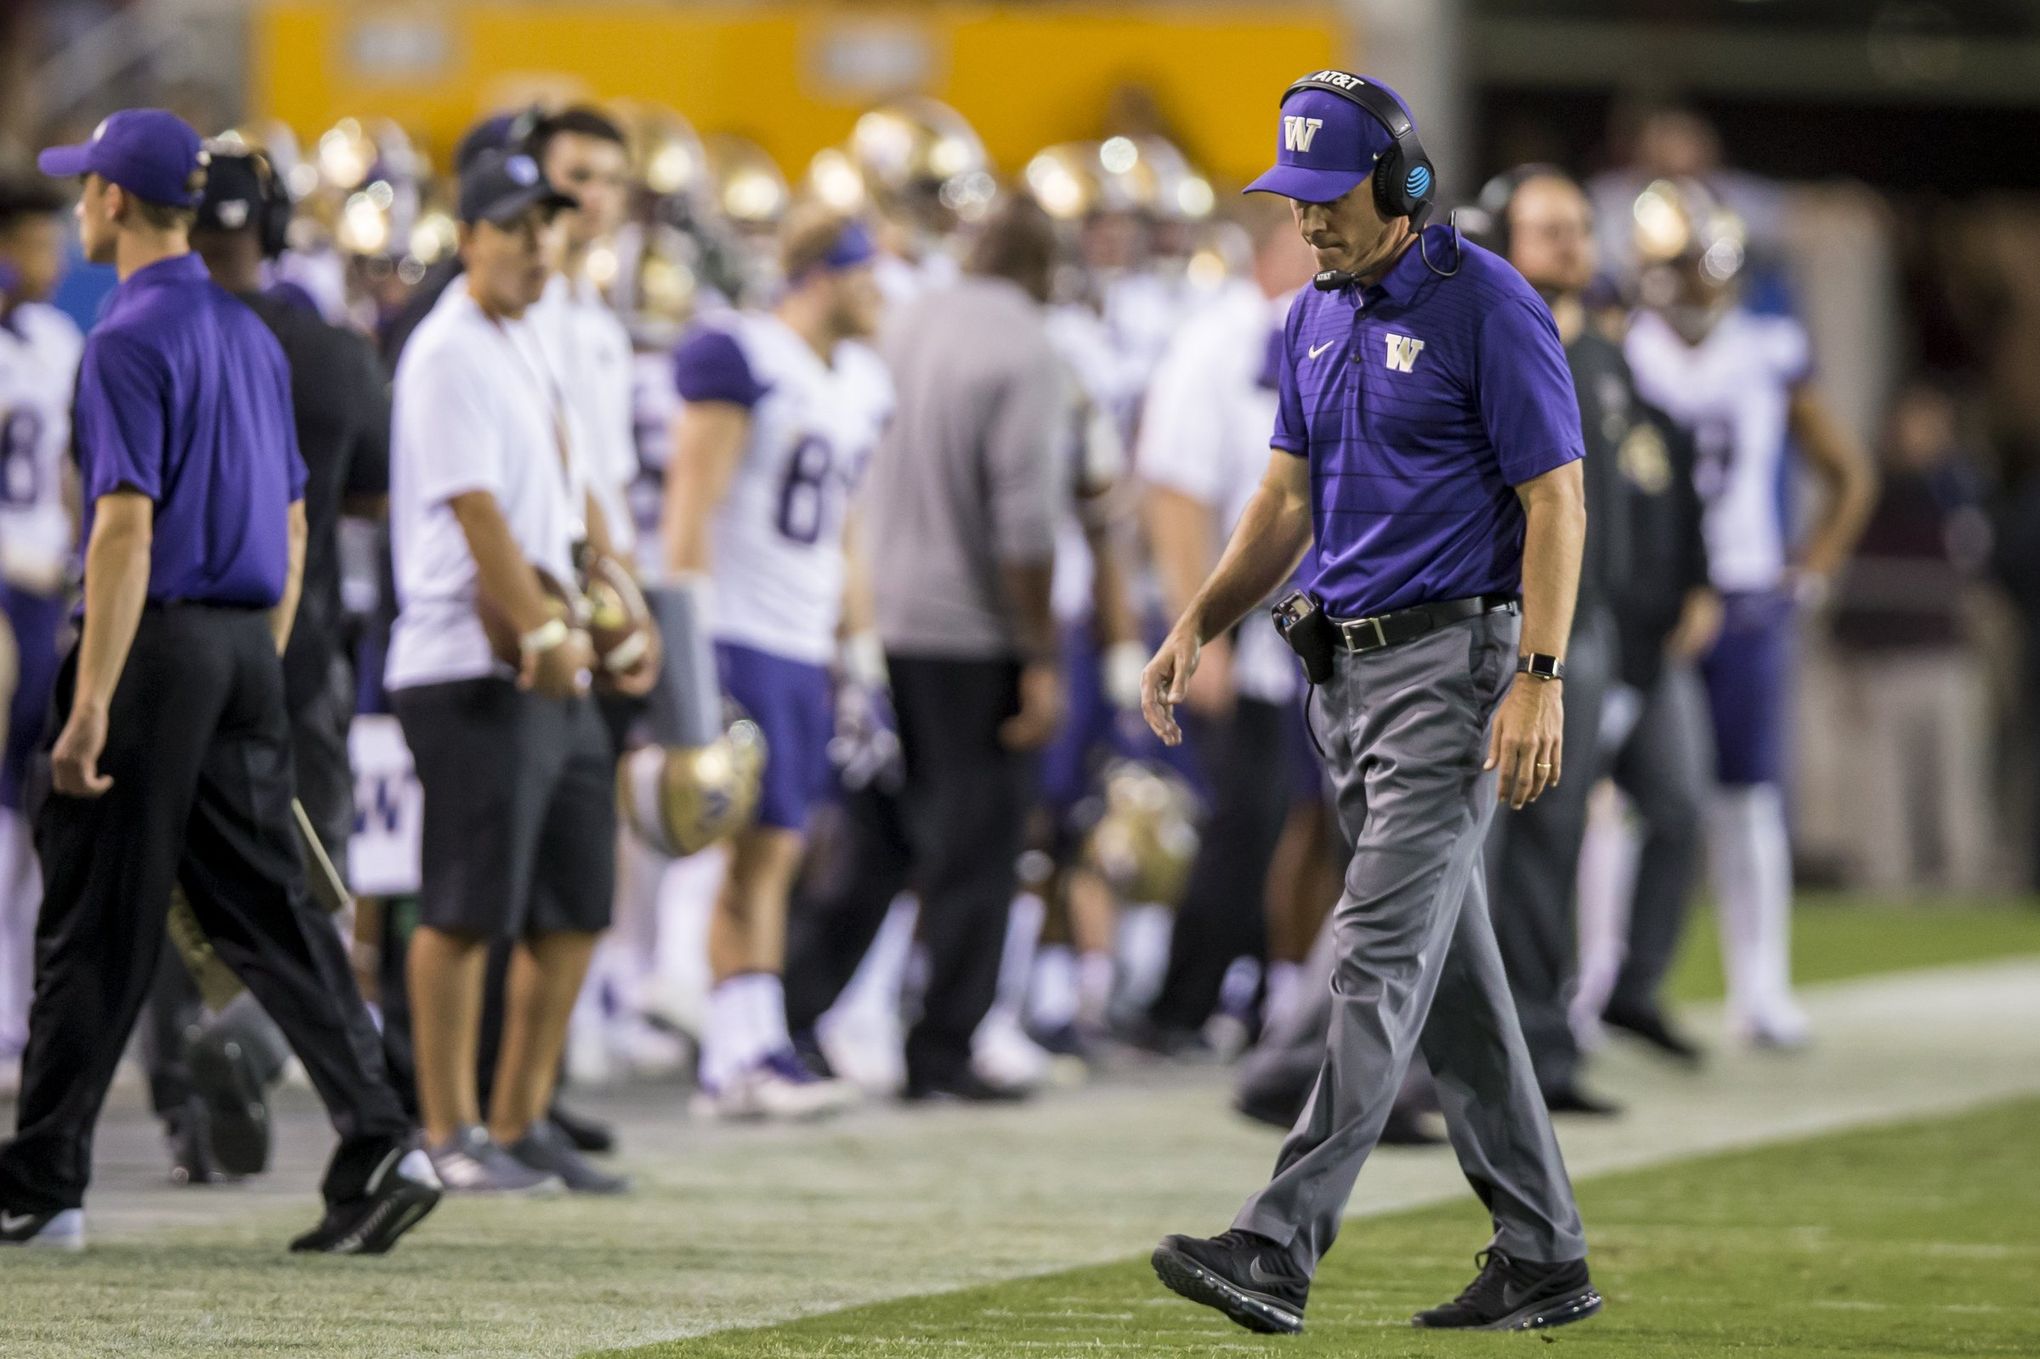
1319, 349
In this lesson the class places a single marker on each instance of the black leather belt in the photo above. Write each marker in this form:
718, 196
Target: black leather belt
1407, 625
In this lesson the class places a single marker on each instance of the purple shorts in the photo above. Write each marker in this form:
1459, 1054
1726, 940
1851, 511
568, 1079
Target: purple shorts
37, 622
793, 704
1747, 675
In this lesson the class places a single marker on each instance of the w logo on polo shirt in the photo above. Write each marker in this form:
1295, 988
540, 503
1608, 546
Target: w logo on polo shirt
1299, 132
1403, 351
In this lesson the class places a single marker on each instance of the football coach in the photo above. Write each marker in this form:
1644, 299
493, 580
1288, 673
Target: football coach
171, 748
1427, 456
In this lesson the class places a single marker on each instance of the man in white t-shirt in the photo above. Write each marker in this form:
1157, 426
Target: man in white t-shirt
487, 497
783, 410
1202, 450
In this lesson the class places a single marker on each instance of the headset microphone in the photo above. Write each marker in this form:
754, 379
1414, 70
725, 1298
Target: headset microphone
1331, 280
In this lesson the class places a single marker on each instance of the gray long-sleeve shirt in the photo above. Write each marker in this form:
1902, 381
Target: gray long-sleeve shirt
966, 478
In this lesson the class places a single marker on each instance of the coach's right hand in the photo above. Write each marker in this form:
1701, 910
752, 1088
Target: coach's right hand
560, 671
74, 760
1166, 682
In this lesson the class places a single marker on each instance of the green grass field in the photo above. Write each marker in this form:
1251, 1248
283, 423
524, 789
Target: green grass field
1921, 1239
1837, 936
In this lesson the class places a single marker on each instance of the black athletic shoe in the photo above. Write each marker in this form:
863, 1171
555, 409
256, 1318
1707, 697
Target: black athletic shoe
399, 1195
1516, 1295
52, 1228
1270, 1110
587, 1134
962, 1087
545, 1147
187, 1137
1570, 1099
1649, 1024
1249, 1278
225, 1077
808, 1047
1172, 1041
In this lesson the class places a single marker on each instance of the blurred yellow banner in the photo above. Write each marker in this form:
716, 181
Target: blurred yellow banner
794, 76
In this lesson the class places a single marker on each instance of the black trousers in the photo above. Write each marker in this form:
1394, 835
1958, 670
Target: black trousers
965, 809
324, 780
1223, 914
198, 750
843, 898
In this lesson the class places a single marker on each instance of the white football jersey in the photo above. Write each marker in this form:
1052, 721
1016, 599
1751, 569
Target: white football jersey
39, 349
590, 352
776, 541
1733, 391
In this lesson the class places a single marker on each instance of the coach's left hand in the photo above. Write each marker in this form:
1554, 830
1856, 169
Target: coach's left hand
74, 760
1526, 740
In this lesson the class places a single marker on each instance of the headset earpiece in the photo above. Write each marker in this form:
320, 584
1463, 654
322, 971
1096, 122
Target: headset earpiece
276, 207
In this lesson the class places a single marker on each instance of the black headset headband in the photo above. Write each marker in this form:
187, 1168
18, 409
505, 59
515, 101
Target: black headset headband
1403, 179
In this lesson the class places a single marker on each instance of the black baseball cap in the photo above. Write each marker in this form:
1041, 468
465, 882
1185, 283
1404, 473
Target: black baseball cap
233, 193
499, 187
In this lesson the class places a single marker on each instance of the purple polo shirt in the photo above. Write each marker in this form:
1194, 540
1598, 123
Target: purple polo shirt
184, 395
1421, 402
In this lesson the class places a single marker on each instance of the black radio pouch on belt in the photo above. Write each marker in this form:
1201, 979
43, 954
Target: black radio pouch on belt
1310, 634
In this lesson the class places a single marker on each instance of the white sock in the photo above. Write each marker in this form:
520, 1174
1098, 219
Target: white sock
729, 1041
1052, 1000
20, 903
1016, 957
1607, 885
1097, 976
1283, 980
1752, 860
1144, 946
768, 1013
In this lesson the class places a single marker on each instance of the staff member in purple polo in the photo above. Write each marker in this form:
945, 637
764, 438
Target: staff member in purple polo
171, 754
1427, 457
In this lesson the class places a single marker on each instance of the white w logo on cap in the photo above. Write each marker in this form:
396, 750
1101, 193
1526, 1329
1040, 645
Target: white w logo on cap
1299, 132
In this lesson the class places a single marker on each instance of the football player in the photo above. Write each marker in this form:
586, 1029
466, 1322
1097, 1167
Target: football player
782, 411
39, 349
1741, 382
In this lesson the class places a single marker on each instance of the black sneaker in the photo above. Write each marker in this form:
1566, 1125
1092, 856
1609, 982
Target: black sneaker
1247, 1277
186, 1136
807, 1046
225, 1076
1570, 1099
1516, 1295
587, 1134
52, 1229
1649, 1024
962, 1087
545, 1147
399, 1195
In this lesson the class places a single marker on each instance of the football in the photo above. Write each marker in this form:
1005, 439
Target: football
618, 620
562, 602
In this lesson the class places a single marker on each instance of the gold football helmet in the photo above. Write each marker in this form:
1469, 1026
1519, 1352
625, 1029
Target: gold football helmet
1146, 836
918, 158
1690, 251
682, 800
666, 154
747, 186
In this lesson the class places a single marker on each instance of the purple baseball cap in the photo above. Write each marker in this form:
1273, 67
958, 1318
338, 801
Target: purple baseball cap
1324, 144
152, 153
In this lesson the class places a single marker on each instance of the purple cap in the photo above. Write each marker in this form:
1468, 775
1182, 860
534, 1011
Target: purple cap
1325, 145
152, 153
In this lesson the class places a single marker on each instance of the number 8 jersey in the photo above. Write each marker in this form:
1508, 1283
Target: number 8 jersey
776, 541
39, 349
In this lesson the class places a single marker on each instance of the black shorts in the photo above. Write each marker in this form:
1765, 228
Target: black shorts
520, 809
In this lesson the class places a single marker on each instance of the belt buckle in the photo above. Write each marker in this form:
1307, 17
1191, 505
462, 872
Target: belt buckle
1357, 624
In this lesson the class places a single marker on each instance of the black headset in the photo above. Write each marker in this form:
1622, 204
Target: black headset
275, 209
1404, 182
1493, 209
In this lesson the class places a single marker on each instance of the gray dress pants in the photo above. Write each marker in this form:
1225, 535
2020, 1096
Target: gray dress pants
1404, 733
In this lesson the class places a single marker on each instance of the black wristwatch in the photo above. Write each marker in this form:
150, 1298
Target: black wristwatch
1543, 667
